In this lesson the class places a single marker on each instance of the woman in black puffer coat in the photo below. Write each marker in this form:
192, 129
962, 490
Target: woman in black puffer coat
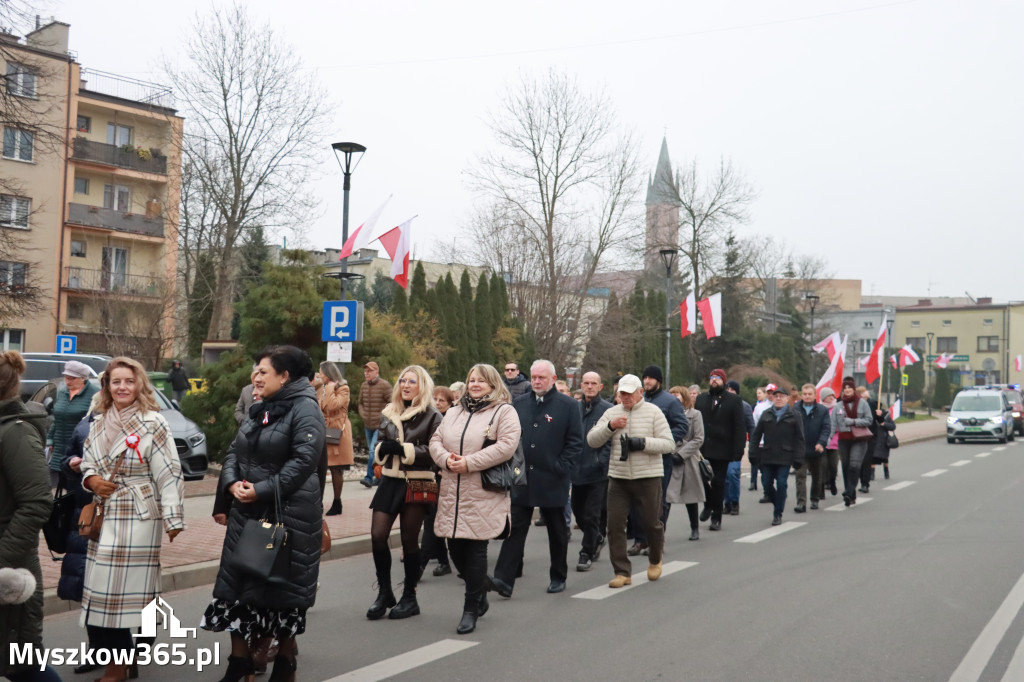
279, 446
72, 567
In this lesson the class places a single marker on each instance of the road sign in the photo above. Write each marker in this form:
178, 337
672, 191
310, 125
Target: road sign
342, 321
67, 344
906, 379
339, 352
955, 358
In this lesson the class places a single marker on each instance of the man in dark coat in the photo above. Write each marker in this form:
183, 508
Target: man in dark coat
515, 381
590, 476
817, 431
178, 380
732, 479
552, 443
780, 432
725, 436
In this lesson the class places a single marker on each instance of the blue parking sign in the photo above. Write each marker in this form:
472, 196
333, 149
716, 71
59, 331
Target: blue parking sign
342, 321
67, 344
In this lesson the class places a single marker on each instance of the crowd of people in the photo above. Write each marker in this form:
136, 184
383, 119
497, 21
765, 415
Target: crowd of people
617, 465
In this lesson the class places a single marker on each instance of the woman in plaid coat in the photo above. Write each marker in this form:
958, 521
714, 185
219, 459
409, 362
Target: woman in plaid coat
129, 460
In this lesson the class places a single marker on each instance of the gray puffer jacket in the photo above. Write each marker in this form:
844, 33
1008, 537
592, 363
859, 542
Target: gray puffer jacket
283, 452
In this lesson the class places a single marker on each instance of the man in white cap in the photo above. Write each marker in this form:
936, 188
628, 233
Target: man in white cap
640, 435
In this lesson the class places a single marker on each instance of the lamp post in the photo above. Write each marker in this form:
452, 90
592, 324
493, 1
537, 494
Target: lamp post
888, 335
668, 257
813, 300
928, 372
343, 151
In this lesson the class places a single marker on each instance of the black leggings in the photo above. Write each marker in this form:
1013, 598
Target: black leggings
410, 520
691, 511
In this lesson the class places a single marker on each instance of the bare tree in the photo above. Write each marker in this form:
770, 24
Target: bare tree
560, 199
135, 319
255, 121
797, 274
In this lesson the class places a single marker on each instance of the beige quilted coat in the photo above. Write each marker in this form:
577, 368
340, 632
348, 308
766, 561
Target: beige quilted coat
645, 421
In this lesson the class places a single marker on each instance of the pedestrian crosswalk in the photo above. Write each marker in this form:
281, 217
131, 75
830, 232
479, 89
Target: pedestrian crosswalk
603, 592
389, 667
771, 532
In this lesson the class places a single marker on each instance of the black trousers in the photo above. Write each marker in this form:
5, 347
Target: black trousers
721, 469
470, 559
431, 546
510, 558
588, 505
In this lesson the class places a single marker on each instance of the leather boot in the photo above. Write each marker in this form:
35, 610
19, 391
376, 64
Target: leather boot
114, 672
239, 668
470, 612
385, 597
407, 605
335, 509
286, 662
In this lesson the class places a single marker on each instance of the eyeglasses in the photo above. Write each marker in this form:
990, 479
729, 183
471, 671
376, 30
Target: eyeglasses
510, 369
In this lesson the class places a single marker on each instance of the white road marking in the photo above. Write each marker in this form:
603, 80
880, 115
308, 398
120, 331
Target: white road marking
770, 532
980, 653
401, 663
1001, 447
900, 486
1012, 443
1015, 671
935, 472
960, 463
639, 579
983, 454
843, 507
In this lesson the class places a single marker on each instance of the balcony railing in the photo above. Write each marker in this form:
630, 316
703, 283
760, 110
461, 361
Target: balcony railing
122, 157
123, 87
108, 218
107, 282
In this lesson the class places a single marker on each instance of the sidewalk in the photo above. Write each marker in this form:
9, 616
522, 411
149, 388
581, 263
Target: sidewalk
193, 559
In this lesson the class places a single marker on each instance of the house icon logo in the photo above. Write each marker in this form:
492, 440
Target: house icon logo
170, 622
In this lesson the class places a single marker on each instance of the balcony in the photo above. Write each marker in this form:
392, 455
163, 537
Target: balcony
122, 157
106, 282
109, 219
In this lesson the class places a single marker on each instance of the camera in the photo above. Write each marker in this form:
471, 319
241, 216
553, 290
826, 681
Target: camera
624, 443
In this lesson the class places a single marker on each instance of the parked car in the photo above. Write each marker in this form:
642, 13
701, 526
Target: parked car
189, 439
980, 413
1013, 396
41, 367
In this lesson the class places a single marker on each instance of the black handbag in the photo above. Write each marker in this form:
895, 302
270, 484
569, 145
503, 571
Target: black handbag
57, 527
332, 436
501, 478
262, 552
706, 472
892, 441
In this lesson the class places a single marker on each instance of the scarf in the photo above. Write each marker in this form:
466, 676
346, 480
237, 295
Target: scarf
850, 406
472, 405
115, 421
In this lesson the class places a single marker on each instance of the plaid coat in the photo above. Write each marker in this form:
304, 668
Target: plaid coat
122, 569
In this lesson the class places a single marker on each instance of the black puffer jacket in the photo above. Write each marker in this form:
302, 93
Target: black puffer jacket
72, 566
282, 453
592, 466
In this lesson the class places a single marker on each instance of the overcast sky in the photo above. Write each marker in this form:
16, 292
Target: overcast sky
886, 136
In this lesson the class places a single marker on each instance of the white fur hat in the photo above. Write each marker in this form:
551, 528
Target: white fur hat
16, 585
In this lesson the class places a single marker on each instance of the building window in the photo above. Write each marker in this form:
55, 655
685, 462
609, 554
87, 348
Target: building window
865, 345
118, 135
76, 310
945, 344
14, 211
987, 322
84, 124
988, 344
78, 248
947, 323
117, 197
21, 81
18, 144
12, 339
13, 275
81, 185
916, 342
869, 324
915, 323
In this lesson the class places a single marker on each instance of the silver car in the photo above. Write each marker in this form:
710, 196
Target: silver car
980, 414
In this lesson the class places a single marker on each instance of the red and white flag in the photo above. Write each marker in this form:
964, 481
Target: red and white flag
833, 376
688, 316
874, 366
711, 315
893, 360
1019, 363
908, 356
829, 344
398, 242
942, 362
362, 236
894, 411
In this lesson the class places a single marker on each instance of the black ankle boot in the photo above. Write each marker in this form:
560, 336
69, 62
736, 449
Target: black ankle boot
407, 605
335, 509
470, 612
239, 668
285, 664
385, 597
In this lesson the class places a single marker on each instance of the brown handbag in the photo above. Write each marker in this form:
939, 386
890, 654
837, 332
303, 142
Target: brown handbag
90, 521
325, 539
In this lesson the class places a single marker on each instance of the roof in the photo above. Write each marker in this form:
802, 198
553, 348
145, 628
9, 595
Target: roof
661, 189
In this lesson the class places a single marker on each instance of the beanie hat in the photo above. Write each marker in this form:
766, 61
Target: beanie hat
827, 393
654, 372
720, 373
16, 585
848, 381
734, 385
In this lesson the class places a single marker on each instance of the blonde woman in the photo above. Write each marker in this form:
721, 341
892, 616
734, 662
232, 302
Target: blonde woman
130, 462
686, 485
406, 425
333, 395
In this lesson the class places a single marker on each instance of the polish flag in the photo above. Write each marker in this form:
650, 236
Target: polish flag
711, 315
874, 366
942, 362
397, 242
687, 316
361, 237
833, 376
892, 361
1019, 362
829, 344
894, 411
908, 356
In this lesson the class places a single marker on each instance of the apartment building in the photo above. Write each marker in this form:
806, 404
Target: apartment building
101, 207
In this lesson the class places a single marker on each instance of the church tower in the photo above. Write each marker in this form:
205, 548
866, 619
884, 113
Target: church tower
662, 213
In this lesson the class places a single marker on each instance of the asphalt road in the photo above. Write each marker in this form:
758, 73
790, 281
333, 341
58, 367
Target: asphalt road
919, 582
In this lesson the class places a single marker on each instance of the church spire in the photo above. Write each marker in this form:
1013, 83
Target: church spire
661, 190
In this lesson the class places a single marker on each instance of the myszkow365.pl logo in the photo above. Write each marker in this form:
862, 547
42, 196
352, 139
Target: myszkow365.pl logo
143, 653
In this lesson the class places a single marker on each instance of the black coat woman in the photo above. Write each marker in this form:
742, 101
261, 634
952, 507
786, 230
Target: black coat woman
277, 449
406, 425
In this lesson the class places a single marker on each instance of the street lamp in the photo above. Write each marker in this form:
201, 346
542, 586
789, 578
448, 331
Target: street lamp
928, 372
813, 300
343, 151
668, 257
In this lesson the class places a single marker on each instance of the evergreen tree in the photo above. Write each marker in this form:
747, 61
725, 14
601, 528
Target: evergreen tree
472, 348
200, 306
499, 299
485, 326
457, 324
400, 304
418, 289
